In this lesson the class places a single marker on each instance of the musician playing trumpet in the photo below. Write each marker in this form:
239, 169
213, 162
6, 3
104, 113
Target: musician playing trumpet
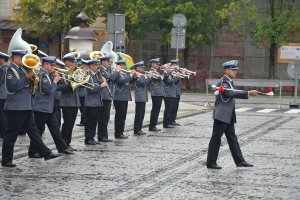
121, 97
157, 93
43, 107
141, 82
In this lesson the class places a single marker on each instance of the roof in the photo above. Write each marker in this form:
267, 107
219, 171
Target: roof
9, 24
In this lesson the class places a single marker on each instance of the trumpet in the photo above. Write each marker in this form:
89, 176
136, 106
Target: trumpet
156, 75
32, 62
181, 75
126, 71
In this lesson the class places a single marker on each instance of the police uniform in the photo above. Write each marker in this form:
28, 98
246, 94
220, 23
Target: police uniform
107, 97
69, 103
170, 95
157, 93
57, 109
224, 118
18, 109
43, 107
178, 93
81, 90
3, 66
121, 97
93, 103
141, 97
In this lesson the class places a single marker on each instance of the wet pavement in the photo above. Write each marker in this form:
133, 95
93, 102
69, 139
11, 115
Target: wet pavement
169, 164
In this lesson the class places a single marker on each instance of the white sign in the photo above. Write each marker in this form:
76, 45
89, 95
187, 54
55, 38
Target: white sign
290, 52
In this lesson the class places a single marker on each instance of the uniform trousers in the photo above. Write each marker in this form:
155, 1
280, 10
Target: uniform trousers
82, 110
92, 115
49, 119
57, 112
214, 145
120, 116
16, 120
169, 106
139, 116
156, 105
69, 116
175, 109
2, 117
103, 119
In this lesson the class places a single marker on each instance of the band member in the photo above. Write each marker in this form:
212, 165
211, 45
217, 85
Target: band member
170, 80
93, 102
57, 110
69, 101
43, 107
82, 62
18, 111
224, 118
107, 96
121, 97
3, 66
141, 81
175, 66
157, 93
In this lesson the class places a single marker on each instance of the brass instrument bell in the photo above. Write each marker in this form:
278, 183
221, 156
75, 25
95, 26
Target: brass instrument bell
96, 55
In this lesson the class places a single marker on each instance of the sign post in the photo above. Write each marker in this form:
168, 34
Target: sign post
116, 31
178, 33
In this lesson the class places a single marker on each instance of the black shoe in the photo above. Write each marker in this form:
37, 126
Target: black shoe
169, 126
214, 166
244, 164
51, 156
67, 151
8, 165
35, 155
140, 133
175, 124
90, 142
155, 129
121, 137
71, 148
105, 140
80, 124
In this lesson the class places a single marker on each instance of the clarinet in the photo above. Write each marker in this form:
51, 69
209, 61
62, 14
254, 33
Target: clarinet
102, 79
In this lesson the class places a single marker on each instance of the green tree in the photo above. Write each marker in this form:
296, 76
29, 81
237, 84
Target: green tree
269, 28
52, 17
143, 16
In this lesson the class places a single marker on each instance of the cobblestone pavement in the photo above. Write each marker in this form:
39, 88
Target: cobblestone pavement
168, 164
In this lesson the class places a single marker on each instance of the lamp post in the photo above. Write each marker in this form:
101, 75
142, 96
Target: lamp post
81, 37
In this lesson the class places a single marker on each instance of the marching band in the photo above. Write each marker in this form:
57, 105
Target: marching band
77, 82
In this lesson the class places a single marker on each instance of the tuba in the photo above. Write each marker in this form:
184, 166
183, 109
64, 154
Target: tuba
17, 43
32, 62
33, 47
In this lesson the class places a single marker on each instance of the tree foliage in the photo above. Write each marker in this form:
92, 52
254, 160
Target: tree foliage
143, 16
52, 17
269, 27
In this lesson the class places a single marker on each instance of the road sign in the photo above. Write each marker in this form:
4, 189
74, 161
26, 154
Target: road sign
178, 38
116, 30
179, 20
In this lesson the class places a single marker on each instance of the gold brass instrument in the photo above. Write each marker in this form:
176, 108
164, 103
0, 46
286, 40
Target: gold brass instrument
76, 54
33, 47
32, 62
96, 55
77, 77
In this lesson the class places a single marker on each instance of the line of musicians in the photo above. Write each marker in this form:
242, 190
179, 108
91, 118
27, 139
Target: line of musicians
55, 93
